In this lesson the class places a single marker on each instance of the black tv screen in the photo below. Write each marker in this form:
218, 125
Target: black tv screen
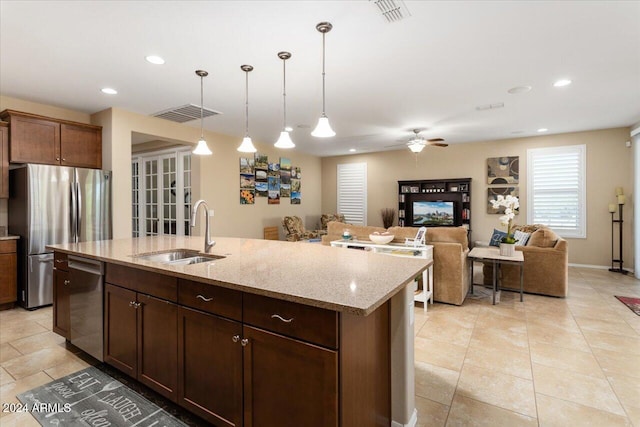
433, 213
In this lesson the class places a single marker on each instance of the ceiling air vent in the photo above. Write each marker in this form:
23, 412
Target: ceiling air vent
185, 113
392, 10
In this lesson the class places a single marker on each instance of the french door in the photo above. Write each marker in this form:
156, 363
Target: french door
161, 185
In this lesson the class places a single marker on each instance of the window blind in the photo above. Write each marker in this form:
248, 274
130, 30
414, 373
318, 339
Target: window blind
557, 189
352, 192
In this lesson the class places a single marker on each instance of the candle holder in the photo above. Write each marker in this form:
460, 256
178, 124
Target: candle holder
620, 222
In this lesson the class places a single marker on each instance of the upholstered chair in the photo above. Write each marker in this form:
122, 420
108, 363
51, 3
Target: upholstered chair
295, 231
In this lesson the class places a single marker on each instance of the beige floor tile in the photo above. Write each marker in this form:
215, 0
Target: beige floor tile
430, 413
489, 319
16, 331
578, 388
40, 360
565, 358
19, 419
548, 334
591, 312
615, 362
450, 333
615, 326
500, 359
497, 338
8, 352
626, 388
74, 364
435, 383
5, 377
553, 412
38, 342
633, 412
458, 318
466, 412
8, 391
439, 353
502, 390
611, 342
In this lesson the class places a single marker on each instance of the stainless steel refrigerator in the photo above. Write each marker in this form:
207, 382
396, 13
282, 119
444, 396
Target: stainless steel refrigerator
50, 205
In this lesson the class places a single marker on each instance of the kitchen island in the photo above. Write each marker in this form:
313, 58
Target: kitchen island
271, 333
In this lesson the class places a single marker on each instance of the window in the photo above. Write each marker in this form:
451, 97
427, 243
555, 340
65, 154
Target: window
352, 192
161, 185
557, 189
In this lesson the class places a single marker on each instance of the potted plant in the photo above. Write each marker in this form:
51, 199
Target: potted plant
510, 204
388, 215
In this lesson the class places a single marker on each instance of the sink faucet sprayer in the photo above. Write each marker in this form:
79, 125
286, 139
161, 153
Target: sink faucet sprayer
208, 243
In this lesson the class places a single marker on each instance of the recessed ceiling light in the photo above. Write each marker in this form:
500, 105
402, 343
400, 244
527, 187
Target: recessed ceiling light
288, 129
352, 150
519, 89
542, 130
562, 83
490, 106
154, 59
109, 91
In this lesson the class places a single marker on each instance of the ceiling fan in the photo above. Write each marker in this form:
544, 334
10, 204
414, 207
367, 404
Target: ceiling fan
417, 142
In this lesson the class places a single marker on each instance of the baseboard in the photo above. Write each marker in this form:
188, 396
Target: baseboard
597, 267
413, 421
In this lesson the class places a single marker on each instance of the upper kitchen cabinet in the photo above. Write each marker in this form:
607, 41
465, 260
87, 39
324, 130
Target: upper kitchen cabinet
4, 160
38, 139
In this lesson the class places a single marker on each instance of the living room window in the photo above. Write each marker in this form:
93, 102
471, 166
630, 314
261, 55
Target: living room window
556, 190
352, 192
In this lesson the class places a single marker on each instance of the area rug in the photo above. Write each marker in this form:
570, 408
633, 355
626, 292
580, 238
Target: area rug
92, 398
632, 303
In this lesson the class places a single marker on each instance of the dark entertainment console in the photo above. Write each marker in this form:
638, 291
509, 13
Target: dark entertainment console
435, 203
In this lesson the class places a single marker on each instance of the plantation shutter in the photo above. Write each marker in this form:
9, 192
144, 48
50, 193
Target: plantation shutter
352, 192
557, 189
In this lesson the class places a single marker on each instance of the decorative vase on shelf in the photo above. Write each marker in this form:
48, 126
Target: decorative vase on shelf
507, 249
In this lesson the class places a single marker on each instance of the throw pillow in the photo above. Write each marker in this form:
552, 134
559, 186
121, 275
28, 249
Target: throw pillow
543, 238
521, 237
497, 237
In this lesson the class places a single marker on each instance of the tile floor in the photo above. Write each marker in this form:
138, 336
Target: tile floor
544, 362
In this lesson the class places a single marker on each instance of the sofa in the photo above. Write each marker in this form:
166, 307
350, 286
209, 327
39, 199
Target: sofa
546, 264
450, 250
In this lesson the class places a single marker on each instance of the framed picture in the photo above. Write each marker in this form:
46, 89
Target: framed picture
494, 192
503, 170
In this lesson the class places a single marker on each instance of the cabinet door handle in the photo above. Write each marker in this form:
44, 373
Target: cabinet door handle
138, 304
235, 338
132, 303
277, 316
203, 298
64, 160
59, 261
66, 282
57, 159
244, 342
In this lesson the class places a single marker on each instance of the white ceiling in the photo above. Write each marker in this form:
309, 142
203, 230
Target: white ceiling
430, 70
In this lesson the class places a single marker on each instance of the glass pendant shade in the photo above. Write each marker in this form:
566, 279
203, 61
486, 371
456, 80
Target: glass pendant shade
416, 147
323, 128
202, 148
247, 146
284, 141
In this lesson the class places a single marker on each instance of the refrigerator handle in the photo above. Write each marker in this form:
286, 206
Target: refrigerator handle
74, 204
79, 211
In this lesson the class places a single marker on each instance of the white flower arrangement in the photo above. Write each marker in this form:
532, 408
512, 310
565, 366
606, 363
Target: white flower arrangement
510, 204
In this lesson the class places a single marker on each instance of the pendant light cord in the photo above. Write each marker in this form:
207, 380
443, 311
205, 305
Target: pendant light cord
201, 108
323, 97
284, 92
246, 115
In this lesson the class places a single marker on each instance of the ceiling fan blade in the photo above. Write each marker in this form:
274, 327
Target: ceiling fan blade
437, 144
435, 140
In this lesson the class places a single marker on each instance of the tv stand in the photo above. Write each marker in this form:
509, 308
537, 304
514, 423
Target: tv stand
455, 190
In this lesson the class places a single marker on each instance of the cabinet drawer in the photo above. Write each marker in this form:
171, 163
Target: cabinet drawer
210, 298
60, 261
301, 321
7, 246
147, 282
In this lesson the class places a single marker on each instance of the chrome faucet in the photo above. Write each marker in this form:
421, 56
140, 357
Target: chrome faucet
208, 243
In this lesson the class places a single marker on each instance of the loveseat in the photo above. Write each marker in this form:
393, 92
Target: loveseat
546, 264
450, 250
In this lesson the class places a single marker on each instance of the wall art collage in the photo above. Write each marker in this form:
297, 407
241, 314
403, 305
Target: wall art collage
275, 181
502, 174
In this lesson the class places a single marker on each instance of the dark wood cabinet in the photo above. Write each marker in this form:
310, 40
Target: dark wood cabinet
120, 331
61, 304
38, 139
288, 382
4, 160
8, 273
210, 366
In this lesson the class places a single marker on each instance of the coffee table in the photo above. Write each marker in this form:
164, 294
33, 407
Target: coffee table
492, 255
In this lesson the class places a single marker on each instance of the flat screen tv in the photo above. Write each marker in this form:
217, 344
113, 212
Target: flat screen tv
433, 213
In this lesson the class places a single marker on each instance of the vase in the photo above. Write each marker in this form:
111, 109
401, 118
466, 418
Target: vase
507, 249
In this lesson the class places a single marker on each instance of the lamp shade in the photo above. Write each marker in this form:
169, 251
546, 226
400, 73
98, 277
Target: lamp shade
247, 146
284, 141
202, 148
416, 147
323, 129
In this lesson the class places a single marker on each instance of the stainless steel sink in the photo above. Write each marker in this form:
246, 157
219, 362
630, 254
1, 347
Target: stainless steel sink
178, 257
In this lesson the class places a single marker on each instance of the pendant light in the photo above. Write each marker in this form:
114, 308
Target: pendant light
247, 145
202, 148
323, 129
285, 139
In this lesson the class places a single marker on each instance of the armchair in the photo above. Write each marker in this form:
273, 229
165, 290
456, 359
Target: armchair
295, 231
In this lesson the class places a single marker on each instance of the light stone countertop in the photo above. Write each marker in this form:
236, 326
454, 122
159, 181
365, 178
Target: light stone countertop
344, 280
9, 237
